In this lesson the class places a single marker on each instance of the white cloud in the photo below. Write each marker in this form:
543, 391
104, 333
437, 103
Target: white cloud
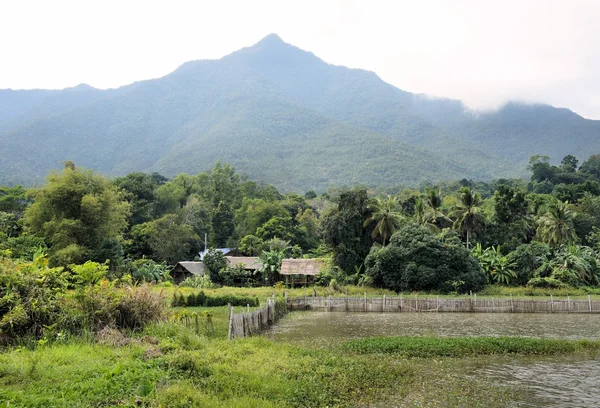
483, 52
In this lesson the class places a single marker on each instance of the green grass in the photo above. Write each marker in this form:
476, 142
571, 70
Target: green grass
200, 372
426, 347
490, 291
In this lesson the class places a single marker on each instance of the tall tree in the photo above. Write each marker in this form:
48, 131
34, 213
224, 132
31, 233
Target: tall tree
468, 214
344, 230
223, 225
79, 214
385, 218
555, 227
434, 213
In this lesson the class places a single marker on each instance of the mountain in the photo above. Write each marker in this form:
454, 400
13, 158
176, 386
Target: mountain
282, 115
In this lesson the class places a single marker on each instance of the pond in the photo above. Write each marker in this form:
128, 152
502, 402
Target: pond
565, 381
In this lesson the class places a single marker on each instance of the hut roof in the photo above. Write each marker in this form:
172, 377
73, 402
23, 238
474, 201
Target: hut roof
301, 267
250, 262
195, 268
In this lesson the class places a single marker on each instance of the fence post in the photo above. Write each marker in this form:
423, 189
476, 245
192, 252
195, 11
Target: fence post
437, 304
474, 301
512, 305
365, 302
248, 307
551, 304
568, 304
329, 303
590, 302
401, 302
230, 310
383, 306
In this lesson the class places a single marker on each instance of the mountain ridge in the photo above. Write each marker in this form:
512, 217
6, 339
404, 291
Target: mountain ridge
243, 109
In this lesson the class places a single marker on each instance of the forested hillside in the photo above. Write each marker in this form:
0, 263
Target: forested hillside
281, 115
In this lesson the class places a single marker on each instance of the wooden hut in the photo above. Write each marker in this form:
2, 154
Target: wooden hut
251, 263
184, 270
300, 271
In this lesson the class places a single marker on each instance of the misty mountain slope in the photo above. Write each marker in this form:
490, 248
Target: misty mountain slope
282, 115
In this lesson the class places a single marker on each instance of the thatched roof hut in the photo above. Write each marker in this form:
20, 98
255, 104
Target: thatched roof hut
184, 270
310, 267
251, 263
300, 271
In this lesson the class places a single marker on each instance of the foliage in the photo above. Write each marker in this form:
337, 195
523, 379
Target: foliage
198, 282
526, 259
75, 213
30, 296
235, 274
385, 218
147, 270
468, 214
416, 260
203, 300
215, 262
344, 230
271, 264
169, 239
497, 267
555, 227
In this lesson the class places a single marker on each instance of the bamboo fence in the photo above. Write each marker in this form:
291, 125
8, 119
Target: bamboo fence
249, 323
471, 304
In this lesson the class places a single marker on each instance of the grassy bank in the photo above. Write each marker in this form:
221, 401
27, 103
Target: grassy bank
412, 346
169, 366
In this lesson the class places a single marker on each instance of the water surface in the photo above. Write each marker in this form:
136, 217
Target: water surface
555, 381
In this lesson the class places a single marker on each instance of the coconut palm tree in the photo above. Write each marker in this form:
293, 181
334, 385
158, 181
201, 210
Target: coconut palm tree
555, 227
468, 214
434, 214
421, 217
385, 217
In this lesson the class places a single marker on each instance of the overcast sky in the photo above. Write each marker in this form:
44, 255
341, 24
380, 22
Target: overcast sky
484, 52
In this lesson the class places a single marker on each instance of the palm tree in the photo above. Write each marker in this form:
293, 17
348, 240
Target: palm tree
421, 217
385, 217
555, 227
434, 214
468, 214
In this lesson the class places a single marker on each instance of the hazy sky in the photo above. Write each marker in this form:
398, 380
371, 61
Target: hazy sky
481, 51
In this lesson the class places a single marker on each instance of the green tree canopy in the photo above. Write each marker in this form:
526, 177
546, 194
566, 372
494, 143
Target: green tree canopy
416, 260
76, 212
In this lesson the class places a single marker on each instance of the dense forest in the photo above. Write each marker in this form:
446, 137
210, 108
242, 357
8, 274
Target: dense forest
452, 237
281, 115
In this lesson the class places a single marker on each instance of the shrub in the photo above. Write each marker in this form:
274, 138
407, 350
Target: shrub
547, 283
147, 270
139, 307
198, 282
200, 299
30, 296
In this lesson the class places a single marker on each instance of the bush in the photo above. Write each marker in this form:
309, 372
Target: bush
30, 296
147, 270
526, 259
200, 299
547, 283
139, 307
416, 260
198, 282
